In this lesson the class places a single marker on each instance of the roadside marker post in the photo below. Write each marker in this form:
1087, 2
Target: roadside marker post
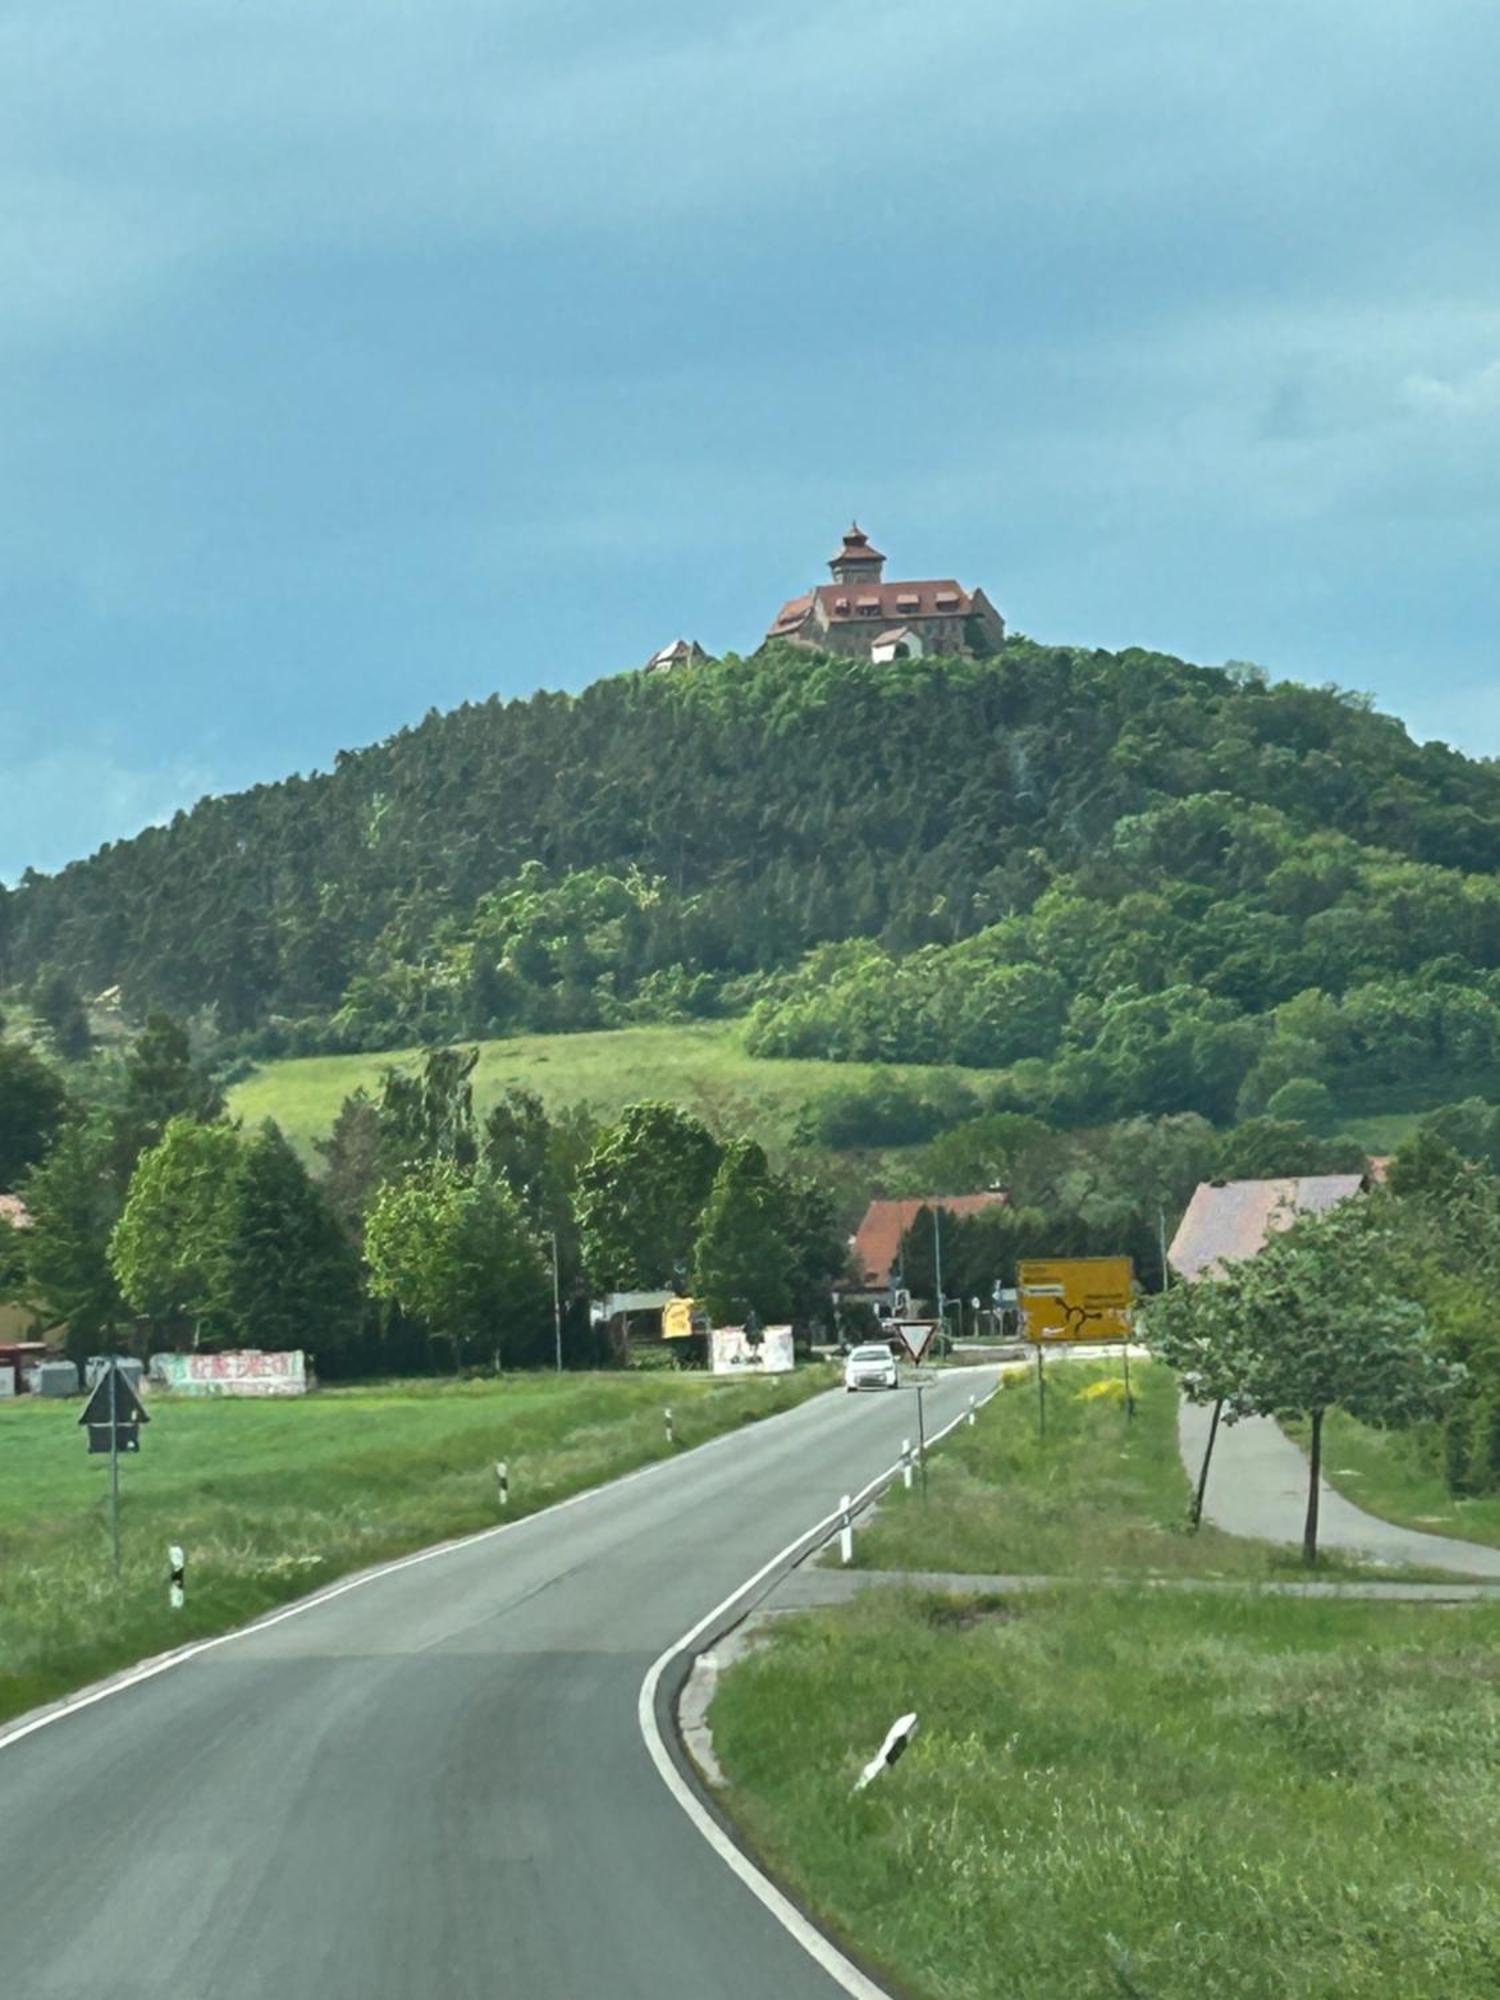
906, 1463
897, 1743
671, 1427
176, 1577
113, 1416
972, 1401
846, 1531
502, 1481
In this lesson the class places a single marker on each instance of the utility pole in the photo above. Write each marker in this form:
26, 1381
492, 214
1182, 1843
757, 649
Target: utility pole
937, 1257
556, 1304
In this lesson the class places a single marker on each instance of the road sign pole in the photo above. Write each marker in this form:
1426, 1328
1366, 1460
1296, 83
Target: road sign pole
922, 1439
556, 1304
1129, 1399
114, 1463
1041, 1393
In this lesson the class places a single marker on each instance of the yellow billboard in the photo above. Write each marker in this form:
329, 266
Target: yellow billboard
677, 1319
1076, 1298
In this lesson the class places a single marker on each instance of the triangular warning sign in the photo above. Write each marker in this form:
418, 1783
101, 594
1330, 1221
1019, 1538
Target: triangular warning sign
127, 1407
916, 1336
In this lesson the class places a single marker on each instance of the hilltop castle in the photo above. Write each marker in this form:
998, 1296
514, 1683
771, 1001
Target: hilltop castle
864, 617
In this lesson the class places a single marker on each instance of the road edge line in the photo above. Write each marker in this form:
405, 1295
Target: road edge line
678, 1778
27, 1724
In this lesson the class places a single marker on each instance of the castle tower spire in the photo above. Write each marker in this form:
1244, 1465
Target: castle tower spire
857, 561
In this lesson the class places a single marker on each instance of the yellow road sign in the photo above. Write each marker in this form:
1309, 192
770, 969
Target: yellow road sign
677, 1319
1076, 1298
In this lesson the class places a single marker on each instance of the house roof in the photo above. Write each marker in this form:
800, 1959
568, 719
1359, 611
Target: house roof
856, 547
896, 634
1226, 1220
858, 603
14, 1211
877, 1241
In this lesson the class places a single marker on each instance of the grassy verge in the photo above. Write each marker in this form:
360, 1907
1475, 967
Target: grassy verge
271, 1499
1136, 1793
701, 1065
1101, 1492
1397, 1475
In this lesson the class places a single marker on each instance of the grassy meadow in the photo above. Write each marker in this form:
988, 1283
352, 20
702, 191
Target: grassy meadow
1398, 1475
270, 1499
1124, 1794
1119, 1791
1101, 1492
701, 1065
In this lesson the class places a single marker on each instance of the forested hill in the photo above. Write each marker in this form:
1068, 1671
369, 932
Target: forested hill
1092, 824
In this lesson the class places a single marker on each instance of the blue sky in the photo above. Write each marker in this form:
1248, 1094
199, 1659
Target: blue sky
364, 356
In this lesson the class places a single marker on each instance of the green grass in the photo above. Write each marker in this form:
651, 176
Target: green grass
701, 1065
1122, 1793
1398, 1475
270, 1499
1382, 1132
1101, 1492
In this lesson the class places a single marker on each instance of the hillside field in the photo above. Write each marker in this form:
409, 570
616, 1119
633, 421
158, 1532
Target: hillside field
701, 1065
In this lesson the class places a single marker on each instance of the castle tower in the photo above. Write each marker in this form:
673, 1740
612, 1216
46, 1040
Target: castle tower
856, 561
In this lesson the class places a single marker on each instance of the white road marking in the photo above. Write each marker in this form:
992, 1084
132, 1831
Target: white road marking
843, 1971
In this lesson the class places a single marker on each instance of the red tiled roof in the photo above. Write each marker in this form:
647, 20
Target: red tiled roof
794, 610
1226, 1220
897, 600
856, 548
877, 1241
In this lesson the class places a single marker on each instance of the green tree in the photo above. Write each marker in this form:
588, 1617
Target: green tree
1315, 1321
428, 1114
167, 1250
286, 1275
1303, 1100
163, 1081
59, 1007
1269, 1148
74, 1198
355, 1162
641, 1193
743, 1256
456, 1252
32, 1103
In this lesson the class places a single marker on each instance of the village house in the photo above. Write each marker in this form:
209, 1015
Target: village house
863, 617
875, 1249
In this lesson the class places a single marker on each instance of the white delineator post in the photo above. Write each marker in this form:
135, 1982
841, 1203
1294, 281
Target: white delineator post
971, 1410
176, 1577
906, 1463
897, 1742
502, 1481
846, 1531
671, 1427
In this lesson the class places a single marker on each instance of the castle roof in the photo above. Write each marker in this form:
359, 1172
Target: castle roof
896, 603
856, 548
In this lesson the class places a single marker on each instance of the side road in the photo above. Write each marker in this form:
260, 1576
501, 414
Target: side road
1257, 1485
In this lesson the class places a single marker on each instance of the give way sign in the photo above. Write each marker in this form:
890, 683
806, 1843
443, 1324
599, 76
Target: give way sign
916, 1336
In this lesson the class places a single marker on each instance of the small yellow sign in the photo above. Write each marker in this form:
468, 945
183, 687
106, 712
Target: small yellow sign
677, 1319
1076, 1298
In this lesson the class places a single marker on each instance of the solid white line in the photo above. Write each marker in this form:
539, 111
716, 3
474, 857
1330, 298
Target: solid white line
149, 1669
843, 1971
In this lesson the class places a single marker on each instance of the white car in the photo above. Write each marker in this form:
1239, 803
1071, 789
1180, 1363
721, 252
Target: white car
871, 1368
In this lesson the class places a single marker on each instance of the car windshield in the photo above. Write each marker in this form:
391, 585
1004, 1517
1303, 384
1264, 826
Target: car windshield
871, 1354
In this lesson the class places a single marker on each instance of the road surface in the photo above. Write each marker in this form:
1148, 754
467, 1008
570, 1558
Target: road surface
1257, 1485
434, 1786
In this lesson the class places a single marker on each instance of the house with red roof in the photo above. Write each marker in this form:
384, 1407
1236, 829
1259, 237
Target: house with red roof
861, 615
875, 1253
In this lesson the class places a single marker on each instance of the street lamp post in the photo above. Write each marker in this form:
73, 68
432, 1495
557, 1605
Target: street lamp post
556, 1304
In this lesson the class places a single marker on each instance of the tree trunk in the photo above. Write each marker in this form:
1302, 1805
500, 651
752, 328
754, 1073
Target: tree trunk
1195, 1512
1314, 1473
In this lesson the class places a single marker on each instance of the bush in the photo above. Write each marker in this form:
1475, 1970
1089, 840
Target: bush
1304, 1101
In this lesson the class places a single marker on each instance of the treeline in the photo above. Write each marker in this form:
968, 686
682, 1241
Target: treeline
431, 1239
1098, 824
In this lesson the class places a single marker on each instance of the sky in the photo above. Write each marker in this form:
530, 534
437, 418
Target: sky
361, 357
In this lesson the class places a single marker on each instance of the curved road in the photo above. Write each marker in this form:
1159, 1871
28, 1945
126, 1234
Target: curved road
433, 1784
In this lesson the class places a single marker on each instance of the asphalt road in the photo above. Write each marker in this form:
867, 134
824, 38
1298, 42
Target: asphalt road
435, 1784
